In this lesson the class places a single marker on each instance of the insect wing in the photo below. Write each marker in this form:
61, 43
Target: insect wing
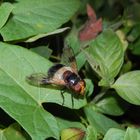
68, 58
37, 79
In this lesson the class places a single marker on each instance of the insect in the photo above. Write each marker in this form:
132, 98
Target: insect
62, 74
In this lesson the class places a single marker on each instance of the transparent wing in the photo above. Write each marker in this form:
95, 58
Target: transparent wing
68, 58
38, 79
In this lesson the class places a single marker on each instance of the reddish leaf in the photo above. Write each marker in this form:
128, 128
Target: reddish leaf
91, 13
92, 27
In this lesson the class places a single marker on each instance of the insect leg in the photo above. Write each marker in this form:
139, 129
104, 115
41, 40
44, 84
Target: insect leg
62, 94
72, 96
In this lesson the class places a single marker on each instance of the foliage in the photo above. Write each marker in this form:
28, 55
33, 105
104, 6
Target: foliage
106, 47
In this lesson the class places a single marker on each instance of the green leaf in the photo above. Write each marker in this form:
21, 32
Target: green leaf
16, 59
98, 121
114, 134
128, 87
135, 49
131, 134
80, 60
121, 35
32, 39
34, 17
13, 132
24, 109
91, 133
73, 41
5, 10
105, 55
126, 67
134, 33
89, 87
117, 134
44, 51
112, 104
133, 11
63, 124
23, 101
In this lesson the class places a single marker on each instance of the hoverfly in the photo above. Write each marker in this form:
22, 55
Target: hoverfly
61, 74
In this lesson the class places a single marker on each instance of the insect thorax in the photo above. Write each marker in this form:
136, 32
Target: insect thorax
54, 69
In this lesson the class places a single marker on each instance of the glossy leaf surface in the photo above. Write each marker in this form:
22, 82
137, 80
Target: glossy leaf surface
128, 87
